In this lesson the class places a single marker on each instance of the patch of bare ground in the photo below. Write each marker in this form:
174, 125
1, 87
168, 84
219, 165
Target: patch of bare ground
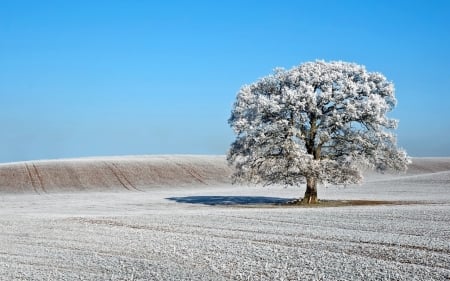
329, 203
345, 203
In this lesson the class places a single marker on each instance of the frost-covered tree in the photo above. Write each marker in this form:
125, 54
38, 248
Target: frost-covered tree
320, 122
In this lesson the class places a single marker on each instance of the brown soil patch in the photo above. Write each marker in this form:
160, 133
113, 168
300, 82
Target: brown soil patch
329, 203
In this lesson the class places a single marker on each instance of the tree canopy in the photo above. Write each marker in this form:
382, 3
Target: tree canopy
317, 122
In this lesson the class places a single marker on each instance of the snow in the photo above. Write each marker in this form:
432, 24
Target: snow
93, 233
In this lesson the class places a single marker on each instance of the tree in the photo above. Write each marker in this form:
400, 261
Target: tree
320, 122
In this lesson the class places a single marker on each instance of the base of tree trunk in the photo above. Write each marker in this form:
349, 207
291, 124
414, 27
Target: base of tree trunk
311, 191
304, 201
310, 199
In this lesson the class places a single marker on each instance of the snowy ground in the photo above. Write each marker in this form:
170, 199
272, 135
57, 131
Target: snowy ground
197, 232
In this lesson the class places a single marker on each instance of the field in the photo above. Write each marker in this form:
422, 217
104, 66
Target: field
179, 218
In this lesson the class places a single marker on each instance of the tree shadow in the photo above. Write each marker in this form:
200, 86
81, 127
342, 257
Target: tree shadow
229, 200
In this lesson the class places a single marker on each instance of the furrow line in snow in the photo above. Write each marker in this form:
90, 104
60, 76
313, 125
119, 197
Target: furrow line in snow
50, 267
39, 177
32, 179
192, 173
198, 230
326, 225
123, 177
114, 172
406, 177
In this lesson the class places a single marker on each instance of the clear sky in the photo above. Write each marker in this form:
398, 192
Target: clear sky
87, 78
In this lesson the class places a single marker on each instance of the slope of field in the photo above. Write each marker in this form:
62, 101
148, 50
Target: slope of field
112, 173
136, 173
195, 226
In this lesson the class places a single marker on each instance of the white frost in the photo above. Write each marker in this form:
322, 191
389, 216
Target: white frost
324, 120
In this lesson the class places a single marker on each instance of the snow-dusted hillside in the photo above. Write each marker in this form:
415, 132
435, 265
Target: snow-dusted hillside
182, 224
112, 173
136, 173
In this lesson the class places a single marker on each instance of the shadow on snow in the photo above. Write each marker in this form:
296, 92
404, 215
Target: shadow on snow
229, 200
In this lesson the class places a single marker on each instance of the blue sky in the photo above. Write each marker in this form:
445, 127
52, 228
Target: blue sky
87, 78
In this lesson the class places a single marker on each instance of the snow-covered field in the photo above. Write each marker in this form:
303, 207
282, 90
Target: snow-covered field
178, 218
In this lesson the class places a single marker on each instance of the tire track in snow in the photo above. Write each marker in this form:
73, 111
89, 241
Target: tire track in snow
123, 177
36, 172
192, 173
30, 176
120, 176
35, 178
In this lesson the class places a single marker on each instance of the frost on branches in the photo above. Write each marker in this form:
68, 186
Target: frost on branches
320, 122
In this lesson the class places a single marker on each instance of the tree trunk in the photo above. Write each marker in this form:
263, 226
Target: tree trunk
311, 191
